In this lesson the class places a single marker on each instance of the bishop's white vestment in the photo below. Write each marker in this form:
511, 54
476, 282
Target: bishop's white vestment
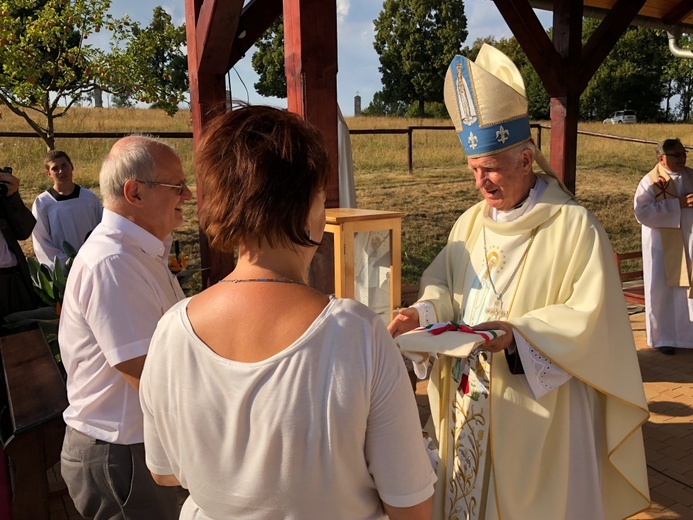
668, 309
506, 451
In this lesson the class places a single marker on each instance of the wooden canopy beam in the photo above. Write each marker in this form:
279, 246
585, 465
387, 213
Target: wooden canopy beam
564, 67
678, 13
257, 16
217, 20
532, 37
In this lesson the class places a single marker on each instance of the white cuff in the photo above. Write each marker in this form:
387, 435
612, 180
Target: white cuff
542, 374
427, 313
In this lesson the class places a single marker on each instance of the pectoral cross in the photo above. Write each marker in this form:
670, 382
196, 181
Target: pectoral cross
495, 312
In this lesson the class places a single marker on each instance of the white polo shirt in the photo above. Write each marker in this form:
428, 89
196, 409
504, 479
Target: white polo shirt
118, 288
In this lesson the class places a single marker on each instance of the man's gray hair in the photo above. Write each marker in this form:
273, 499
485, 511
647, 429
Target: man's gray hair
667, 146
130, 158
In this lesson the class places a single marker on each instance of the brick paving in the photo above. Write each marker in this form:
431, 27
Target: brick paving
668, 434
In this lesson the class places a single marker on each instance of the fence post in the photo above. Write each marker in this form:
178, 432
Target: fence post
410, 147
539, 137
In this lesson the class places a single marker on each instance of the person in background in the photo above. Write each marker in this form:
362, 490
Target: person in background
262, 396
664, 207
544, 421
119, 286
65, 212
16, 223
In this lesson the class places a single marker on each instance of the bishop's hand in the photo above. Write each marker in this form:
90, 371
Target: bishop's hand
501, 342
406, 320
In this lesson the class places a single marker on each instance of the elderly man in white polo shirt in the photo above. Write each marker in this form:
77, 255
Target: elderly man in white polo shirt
118, 288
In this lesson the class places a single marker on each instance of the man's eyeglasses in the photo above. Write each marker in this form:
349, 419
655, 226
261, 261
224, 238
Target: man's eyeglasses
679, 155
180, 187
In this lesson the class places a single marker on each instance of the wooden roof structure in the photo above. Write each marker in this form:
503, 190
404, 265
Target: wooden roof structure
565, 66
659, 14
220, 32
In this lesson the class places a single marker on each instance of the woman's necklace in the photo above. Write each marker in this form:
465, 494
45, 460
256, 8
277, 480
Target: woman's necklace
495, 311
279, 280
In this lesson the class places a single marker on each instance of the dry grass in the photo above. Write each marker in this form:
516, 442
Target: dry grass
438, 191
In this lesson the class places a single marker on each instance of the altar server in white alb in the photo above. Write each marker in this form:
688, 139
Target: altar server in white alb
544, 422
664, 207
65, 212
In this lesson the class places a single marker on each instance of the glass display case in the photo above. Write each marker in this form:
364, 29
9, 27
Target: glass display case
367, 257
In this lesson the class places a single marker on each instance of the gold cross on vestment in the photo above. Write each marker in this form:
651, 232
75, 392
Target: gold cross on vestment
495, 312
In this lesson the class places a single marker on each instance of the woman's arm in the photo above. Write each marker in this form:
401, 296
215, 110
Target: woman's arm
171, 480
422, 511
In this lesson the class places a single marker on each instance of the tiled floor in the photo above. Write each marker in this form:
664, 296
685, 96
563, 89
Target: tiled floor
668, 434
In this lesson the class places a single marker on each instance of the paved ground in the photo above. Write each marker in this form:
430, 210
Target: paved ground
668, 434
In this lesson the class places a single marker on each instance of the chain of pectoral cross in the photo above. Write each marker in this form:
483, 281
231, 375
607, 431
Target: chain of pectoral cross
495, 311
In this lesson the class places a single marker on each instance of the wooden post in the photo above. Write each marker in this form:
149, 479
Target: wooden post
410, 150
565, 104
208, 25
310, 50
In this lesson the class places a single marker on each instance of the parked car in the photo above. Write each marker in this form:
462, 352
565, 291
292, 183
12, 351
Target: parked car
622, 116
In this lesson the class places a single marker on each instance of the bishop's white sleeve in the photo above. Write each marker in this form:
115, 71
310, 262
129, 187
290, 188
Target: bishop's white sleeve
541, 374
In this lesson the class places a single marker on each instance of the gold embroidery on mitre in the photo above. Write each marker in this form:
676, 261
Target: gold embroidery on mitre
465, 105
497, 87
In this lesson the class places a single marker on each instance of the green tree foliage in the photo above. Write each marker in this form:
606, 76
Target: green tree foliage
379, 107
416, 40
153, 67
678, 75
122, 100
268, 61
48, 66
45, 58
631, 76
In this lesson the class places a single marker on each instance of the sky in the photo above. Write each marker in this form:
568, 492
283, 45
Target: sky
357, 60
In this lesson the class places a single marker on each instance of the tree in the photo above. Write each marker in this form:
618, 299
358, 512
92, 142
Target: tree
416, 40
679, 80
45, 58
379, 107
47, 65
268, 61
122, 100
630, 76
153, 67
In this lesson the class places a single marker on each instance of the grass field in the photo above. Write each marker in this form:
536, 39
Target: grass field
432, 197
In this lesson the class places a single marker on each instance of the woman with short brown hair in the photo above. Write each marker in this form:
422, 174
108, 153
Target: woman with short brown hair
262, 396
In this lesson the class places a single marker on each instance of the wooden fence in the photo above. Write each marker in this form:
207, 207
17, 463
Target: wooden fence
408, 131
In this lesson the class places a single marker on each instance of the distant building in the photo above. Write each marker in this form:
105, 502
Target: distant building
98, 97
357, 105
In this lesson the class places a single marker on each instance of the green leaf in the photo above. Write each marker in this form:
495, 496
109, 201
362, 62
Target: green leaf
68, 249
46, 288
34, 269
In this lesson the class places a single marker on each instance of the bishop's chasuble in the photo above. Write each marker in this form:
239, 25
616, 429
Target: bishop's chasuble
504, 453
